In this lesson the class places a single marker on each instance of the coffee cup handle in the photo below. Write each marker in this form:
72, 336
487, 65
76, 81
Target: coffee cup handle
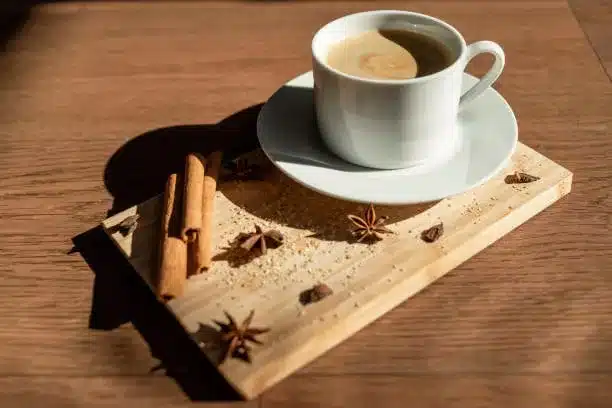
491, 76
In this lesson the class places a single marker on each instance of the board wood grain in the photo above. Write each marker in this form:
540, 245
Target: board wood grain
367, 283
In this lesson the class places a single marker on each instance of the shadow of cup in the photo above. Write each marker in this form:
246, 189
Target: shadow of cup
279, 200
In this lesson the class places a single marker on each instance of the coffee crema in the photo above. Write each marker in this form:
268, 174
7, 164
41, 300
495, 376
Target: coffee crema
389, 54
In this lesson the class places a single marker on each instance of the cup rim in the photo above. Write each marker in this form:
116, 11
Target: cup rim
390, 81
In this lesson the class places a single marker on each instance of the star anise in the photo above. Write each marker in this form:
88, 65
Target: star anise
261, 239
369, 226
234, 337
128, 225
241, 169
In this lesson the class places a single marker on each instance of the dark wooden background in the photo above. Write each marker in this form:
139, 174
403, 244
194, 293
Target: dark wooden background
528, 322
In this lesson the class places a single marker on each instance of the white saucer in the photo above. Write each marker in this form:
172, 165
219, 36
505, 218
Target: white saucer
288, 135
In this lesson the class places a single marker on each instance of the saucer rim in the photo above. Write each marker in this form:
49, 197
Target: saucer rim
434, 198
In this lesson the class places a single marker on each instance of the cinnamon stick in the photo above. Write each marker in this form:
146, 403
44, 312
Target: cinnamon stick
173, 250
192, 204
203, 256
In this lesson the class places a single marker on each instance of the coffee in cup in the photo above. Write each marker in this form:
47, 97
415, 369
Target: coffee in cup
389, 54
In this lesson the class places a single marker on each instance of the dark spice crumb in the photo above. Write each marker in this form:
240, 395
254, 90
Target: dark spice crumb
318, 292
520, 178
433, 234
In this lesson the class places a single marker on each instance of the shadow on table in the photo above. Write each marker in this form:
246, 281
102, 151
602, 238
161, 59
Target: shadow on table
13, 17
135, 173
121, 296
139, 169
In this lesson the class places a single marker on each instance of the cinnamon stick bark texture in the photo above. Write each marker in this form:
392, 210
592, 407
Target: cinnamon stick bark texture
203, 256
173, 250
192, 204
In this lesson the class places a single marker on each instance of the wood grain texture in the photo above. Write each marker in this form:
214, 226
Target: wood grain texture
595, 18
368, 282
443, 390
100, 391
80, 80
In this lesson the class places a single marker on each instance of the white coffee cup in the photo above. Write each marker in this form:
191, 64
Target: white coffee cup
391, 124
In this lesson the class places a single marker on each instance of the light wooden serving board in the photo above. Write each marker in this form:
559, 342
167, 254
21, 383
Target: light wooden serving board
367, 280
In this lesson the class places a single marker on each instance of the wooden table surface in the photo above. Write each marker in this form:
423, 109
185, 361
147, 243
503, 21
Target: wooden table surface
528, 322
